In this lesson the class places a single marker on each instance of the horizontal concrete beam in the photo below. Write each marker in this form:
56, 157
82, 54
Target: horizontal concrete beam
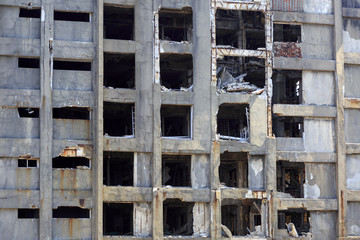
304, 110
21, 3
177, 97
313, 157
16, 147
127, 238
303, 64
74, 50
120, 95
175, 47
19, 98
309, 18
120, 2
78, 5
235, 98
353, 103
240, 193
187, 194
78, 198
119, 46
351, 12
231, 5
221, 52
353, 195
289, 144
352, 148
69, 147
233, 146
19, 198
308, 204
351, 58
64, 98
127, 194
175, 4
19, 47
184, 146
122, 144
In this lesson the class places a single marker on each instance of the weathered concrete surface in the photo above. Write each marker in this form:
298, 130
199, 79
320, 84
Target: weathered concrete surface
317, 41
352, 129
256, 170
71, 179
312, 82
323, 225
318, 6
320, 181
308, 204
289, 144
73, 31
201, 223
298, 156
352, 85
71, 228
142, 219
69, 80
319, 135
353, 221
352, 172
200, 172
351, 35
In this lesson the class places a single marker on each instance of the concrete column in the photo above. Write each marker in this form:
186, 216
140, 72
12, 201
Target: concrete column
142, 219
201, 224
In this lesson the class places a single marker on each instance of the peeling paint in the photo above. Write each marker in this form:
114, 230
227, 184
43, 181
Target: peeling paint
257, 166
353, 183
311, 191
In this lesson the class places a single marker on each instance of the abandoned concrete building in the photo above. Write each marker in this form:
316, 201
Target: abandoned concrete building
172, 119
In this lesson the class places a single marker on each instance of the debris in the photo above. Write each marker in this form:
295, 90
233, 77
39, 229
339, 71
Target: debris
226, 230
165, 89
187, 89
292, 230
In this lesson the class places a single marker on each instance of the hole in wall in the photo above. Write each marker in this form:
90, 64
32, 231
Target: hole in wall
30, 13
233, 121
118, 169
71, 16
118, 218
287, 87
175, 25
72, 65
28, 112
233, 170
287, 33
70, 162
176, 170
71, 212
28, 63
119, 70
119, 119
178, 217
118, 23
28, 213
71, 113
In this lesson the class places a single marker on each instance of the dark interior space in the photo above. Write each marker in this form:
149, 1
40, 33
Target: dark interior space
118, 168
288, 126
119, 70
71, 16
70, 162
176, 71
119, 119
175, 25
240, 29
233, 170
241, 216
27, 163
178, 217
287, 87
25, 112
233, 121
118, 23
24, 213
299, 217
72, 65
30, 13
175, 121
28, 62
81, 113
71, 212
176, 170
290, 178
118, 219
287, 33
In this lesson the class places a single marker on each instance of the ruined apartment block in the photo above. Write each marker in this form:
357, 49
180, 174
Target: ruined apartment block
195, 119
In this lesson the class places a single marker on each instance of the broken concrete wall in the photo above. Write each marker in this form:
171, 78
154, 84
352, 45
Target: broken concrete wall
72, 179
13, 228
13, 77
352, 128
71, 228
200, 171
15, 127
353, 220
201, 223
72, 129
256, 172
352, 172
319, 135
13, 26
69, 80
73, 31
320, 181
323, 225
351, 35
312, 82
318, 6
317, 41
352, 83
142, 219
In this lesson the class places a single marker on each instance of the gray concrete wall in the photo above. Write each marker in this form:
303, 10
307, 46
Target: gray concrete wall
320, 181
318, 88
351, 35
352, 172
71, 228
317, 41
352, 83
323, 225
318, 6
353, 222
352, 128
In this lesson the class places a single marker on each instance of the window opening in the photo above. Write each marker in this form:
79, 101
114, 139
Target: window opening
30, 13
178, 217
71, 212
233, 122
118, 23
71, 16
81, 113
70, 162
28, 112
291, 178
118, 219
119, 119
28, 63
175, 25
176, 170
296, 221
287, 33
175, 121
72, 65
119, 70
288, 126
233, 170
28, 213
27, 163
118, 169
287, 87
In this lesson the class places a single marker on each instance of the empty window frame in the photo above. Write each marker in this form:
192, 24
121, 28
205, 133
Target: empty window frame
70, 162
240, 29
71, 212
176, 71
287, 33
119, 119
28, 112
24, 213
176, 121
27, 163
240, 74
81, 113
72, 65
233, 170
176, 170
233, 121
178, 217
119, 70
299, 217
290, 178
241, 216
175, 25
118, 219
30, 13
118, 23
118, 169
287, 87
288, 126
28, 62
71, 16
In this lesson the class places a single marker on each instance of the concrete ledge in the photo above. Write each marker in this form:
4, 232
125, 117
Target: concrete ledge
120, 95
315, 157
176, 4
180, 145
121, 2
235, 98
127, 194
351, 12
310, 18
177, 97
19, 47
187, 194
19, 198
220, 52
308, 204
352, 148
304, 111
233, 146
63, 98
79, 198
304, 64
185, 237
74, 50
122, 144
19, 98
175, 47
289, 144
15, 147
241, 193
353, 195
119, 46
351, 58
353, 103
